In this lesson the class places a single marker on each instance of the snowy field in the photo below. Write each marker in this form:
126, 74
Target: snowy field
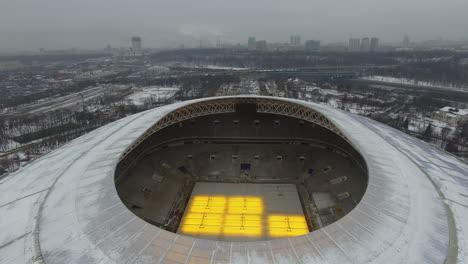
412, 82
208, 66
321, 91
9, 145
153, 93
215, 67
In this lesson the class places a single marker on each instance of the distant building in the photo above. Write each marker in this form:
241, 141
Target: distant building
374, 44
463, 48
295, 40
136, 45
406, 41
404, 49
354, 44
252, 44
334, 47
312, 45
261, 45
365, 44
451, 115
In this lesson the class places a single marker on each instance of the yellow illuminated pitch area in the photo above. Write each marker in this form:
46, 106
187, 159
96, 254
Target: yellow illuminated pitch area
205, 215
243, 225
245, 205
238, 216
287, 225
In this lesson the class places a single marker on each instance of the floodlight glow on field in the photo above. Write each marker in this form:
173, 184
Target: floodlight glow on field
197, 223
245, 205
238, 217
287, 225
243, 225
208, 204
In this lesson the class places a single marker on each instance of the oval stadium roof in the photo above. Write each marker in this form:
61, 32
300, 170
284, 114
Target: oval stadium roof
64, 208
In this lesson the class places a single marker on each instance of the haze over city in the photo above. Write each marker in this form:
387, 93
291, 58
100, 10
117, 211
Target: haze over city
86, 24
243, 131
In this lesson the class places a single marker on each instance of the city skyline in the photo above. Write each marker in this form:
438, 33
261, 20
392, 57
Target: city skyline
90, 25
372, 43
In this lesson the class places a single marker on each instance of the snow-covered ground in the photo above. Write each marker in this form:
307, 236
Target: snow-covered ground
414, 60
9, 145
157, 94
322, 91
209, 66
412, 82
463, 61
215, 67
66, 202
246, 86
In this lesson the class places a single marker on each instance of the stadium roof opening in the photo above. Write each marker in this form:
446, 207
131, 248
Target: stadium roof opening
244, 212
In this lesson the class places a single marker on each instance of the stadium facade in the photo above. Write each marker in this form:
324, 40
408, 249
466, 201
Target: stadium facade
395, 198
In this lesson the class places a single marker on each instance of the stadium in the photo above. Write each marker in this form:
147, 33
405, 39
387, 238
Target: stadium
244, 179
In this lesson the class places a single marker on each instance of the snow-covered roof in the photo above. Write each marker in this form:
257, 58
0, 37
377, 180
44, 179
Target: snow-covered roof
64, 207
454, 111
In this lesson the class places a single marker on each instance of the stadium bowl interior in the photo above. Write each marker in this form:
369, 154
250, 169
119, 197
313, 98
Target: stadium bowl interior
241, 141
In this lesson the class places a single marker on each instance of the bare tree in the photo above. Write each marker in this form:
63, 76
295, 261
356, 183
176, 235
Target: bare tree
445, 133
427, 135
406, 124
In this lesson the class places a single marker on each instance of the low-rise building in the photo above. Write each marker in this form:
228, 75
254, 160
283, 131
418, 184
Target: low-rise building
451, 115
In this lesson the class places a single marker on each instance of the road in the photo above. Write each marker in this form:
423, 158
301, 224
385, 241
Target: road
68, 101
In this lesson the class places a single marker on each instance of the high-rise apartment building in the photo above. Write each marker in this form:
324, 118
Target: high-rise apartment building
251, 44
354, 44
374, 44
295, 40
365, 44
136, 44
406, 41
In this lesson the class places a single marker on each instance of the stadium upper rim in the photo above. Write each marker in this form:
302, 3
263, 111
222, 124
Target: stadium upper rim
71, 212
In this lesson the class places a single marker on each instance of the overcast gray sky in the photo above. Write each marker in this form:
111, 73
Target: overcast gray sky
60, 24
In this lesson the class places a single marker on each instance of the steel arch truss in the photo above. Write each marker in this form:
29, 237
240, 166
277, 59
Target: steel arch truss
297, 111
184, 113
228, 105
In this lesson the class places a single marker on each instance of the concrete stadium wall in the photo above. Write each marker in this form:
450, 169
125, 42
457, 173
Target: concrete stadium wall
211, 148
